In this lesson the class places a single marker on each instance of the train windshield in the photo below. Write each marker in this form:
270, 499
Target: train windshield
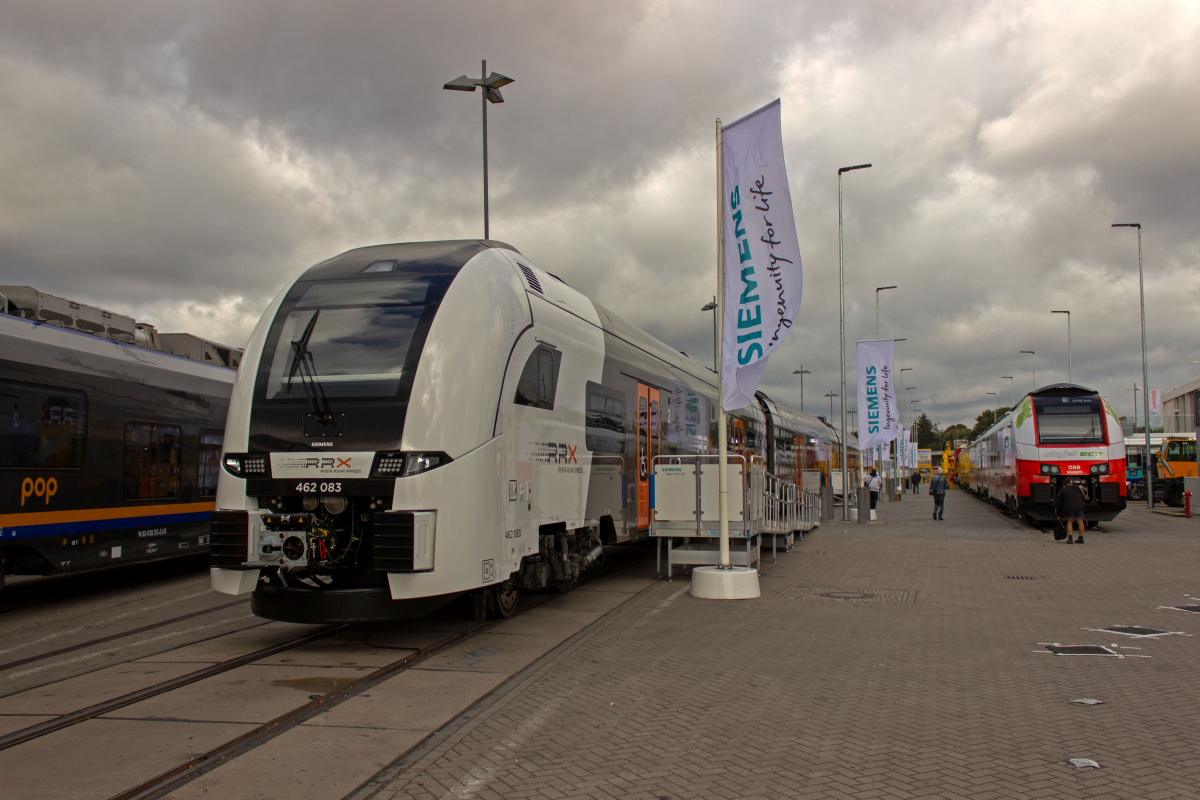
351, 338
1069, 420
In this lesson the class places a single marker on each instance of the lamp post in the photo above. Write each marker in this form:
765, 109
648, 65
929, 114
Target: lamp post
831, 394
1010, 379
1032, 364
902, 371
490, 84
1145, 367
879, 289
713, 308
802, 372
991, 394
1068, 313
1135, 391
842, 327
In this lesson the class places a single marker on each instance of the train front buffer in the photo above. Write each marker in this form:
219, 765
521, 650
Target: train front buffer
1102, 481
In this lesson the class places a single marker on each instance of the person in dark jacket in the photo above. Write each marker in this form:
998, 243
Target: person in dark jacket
937, 488
1071, 508
916, 481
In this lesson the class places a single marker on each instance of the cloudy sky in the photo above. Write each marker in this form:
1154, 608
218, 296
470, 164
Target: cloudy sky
181, 161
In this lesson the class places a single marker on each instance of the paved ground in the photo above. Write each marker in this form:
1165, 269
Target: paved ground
894, 660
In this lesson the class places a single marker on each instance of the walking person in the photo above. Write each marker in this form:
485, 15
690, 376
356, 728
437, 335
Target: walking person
874, 485
937, 488
916, 481
1070, 503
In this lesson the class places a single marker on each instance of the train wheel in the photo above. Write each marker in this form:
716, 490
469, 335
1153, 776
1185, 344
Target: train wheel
502, 601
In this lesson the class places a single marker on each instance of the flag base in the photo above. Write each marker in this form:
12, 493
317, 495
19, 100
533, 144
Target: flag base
732, 583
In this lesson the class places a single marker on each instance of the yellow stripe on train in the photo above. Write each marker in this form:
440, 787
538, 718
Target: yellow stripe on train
92, 514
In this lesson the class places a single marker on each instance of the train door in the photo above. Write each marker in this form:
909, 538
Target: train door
648, 442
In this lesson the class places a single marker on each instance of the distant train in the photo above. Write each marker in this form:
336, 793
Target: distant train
414, 422
109, 448
1056, 434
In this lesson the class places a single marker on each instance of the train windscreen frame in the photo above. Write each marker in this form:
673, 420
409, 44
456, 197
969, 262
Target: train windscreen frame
363, 336
1069, 419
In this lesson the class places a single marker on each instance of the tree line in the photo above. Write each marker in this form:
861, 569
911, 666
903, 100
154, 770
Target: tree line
929, 435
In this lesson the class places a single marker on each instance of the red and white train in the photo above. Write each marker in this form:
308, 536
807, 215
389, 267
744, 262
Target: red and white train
1056, 434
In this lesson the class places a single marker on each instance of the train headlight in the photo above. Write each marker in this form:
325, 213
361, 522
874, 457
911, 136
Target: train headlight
247, 465
1099, 469
1050, 469
417, 463
334, 504
395, 464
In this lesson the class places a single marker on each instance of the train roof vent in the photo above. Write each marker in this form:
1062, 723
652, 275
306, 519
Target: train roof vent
530, 278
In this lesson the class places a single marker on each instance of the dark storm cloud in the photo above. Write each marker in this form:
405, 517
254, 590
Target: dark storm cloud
182, 160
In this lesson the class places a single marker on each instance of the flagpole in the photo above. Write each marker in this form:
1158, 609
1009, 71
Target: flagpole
722, 438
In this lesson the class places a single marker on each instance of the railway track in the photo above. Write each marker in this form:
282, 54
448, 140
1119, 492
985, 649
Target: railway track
69, 719
112, 637
170, 780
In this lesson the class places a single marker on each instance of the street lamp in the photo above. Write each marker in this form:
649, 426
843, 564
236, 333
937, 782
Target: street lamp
1145, 368
1068, 313
842, 326
713, 308
907, 404
1010, 379
1135, 391
991, 394
802, 372
879, 289
831, 394
490, 84
1032, 364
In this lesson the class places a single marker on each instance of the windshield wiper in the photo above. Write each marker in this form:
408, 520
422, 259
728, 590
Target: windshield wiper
302, 365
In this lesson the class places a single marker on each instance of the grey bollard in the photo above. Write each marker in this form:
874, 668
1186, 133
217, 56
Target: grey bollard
826, 503
864, 505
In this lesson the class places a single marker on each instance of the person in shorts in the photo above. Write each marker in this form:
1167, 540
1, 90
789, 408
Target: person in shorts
1072, 510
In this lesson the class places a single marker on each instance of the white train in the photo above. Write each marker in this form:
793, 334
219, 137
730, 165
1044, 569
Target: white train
416, 421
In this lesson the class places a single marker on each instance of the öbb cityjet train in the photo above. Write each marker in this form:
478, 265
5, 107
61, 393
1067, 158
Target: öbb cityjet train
1056, 434
413, 422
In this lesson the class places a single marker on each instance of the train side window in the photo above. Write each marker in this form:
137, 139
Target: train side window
41, 426
605, 422
539, 379
151, 460
210, 463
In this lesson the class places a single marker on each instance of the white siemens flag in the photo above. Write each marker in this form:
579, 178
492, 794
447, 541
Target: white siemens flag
878, 416
761, 256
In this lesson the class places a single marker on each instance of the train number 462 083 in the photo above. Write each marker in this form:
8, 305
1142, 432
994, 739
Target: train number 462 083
323, 486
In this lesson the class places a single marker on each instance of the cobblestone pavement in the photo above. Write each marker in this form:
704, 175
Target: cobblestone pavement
895, 660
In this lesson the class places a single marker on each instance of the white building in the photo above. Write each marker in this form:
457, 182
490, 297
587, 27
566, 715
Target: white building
1179, 408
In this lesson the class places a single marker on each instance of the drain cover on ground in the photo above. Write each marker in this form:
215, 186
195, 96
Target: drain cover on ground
845, 595
1079, 650
1134, 630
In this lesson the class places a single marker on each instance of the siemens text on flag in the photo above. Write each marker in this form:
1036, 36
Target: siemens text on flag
878, 415
761, 258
